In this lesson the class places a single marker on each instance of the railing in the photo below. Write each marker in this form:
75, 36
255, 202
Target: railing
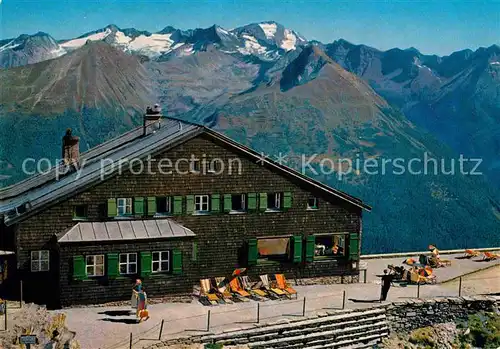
253, 313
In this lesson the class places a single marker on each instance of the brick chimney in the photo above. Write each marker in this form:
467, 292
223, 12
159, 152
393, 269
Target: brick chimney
70, 148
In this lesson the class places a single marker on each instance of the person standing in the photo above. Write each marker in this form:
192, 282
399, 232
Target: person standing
386, 284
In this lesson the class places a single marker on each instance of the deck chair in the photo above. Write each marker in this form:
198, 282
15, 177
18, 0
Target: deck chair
205, 289
284, 285
270, 288
238, 291
263, 291
490, 256
445, 262
419, 279
221, 285
248, 286
471, 253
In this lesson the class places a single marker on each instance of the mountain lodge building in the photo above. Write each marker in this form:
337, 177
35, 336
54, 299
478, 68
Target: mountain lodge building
86, 236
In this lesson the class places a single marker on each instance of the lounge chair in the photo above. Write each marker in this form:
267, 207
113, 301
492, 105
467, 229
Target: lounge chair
238, 291
221, 285
471, 253
490, 256
256, 294
270, 288
283, 285
205, 293
415, 278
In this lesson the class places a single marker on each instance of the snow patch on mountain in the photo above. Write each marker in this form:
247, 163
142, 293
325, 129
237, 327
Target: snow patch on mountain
289, 41
10, 45
121, 38
153, 45
75, 43
269, 29
251, 46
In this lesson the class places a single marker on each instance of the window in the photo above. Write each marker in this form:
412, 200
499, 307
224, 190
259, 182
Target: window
80, 211
195, 166
312, 203
163, 205
128, 263
239, 202
329, 246
161, 261
274, 201
201, 203
273, 249
39, 260
124, 206
95, 265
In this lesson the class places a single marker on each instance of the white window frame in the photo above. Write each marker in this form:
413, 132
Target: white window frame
127, 263
315, 207
94, 265
201, 201
36, 259
162, 258
277, 201
126, 203
169, 205
243, 202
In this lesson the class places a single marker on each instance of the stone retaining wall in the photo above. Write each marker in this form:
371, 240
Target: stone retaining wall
416, 313
346, 328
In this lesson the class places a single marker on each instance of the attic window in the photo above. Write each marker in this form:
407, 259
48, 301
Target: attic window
80, 211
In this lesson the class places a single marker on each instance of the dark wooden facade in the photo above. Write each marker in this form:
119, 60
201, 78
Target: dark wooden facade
224, 241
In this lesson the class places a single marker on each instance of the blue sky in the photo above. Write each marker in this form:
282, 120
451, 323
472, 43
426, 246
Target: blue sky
439, 27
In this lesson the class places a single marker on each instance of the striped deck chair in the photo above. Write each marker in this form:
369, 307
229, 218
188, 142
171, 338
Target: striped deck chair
238, 291
283, 285
249, 286
471, 253
221, 285
205, 289
266, 284
490, 256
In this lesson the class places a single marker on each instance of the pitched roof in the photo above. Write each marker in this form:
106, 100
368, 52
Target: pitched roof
125, 230
25, 198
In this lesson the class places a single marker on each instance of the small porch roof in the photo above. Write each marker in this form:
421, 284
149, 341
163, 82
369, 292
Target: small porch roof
125, 230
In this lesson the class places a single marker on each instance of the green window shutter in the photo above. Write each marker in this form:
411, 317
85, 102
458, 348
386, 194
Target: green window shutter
297, 249
79, 268
177, 262
310, 243
252, 251
146, 261
215, 203
139, 206
252, 201
177, 204
194, 256
354, 246
228, 202
287, 200
112, 211
263, 201
189, 204
151, 206
112, 267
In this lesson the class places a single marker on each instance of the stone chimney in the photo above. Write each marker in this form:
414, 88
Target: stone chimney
70, 148
152, 119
